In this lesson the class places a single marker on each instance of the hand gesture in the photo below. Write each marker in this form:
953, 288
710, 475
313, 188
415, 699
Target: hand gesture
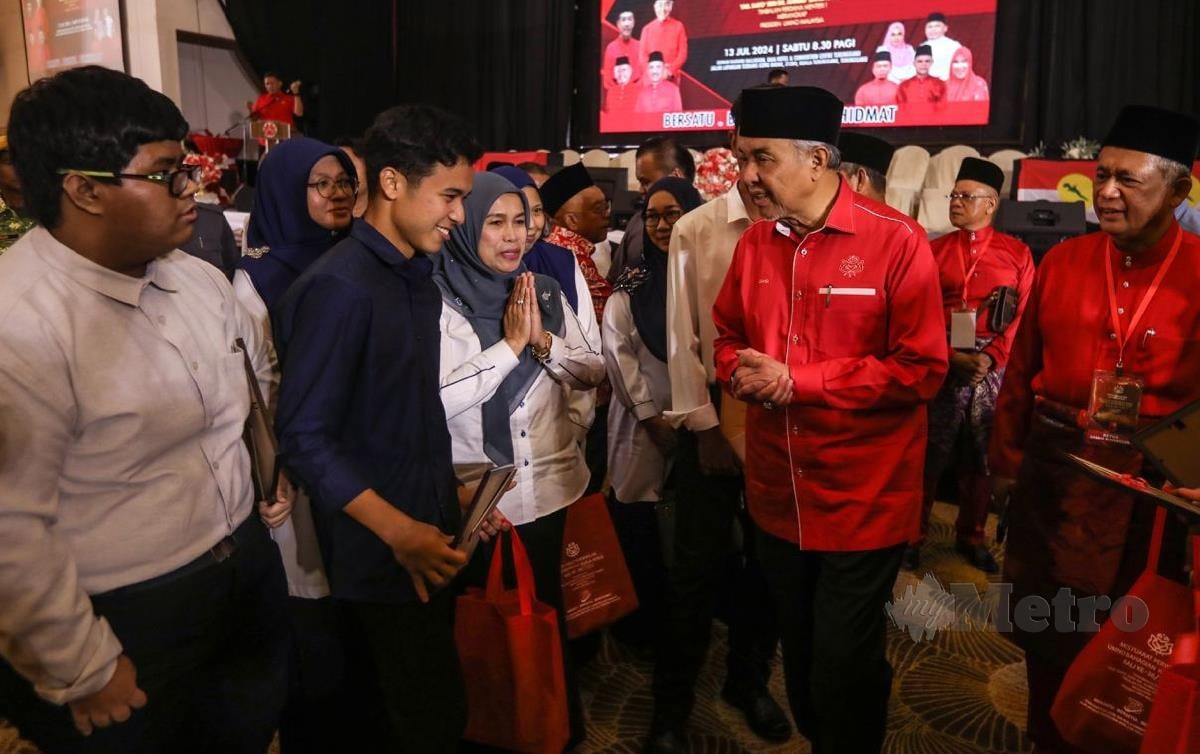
294, 88
275, 513
112, 704
425, 552
535, 312
518, 316
760, 378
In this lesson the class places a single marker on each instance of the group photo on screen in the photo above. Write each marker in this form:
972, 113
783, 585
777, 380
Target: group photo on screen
678, 65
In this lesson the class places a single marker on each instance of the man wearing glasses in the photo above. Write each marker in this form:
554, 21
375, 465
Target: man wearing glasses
141, 596
976, 264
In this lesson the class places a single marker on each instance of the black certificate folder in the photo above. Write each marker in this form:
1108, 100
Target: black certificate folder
1172, 445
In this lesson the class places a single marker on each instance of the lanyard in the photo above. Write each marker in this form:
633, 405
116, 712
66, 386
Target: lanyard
962, 261
1123, 338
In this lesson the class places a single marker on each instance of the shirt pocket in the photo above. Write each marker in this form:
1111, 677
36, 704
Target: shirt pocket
851, 321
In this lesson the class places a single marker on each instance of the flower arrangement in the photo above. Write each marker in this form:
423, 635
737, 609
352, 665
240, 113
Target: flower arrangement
212, 167
716, 173
12, 226
1080, 148
1039, 150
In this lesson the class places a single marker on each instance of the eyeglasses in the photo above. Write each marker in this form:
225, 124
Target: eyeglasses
176, 181
965, 197
329, 188
670, 217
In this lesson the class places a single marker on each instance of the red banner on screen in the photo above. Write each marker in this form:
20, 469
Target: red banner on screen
711, 51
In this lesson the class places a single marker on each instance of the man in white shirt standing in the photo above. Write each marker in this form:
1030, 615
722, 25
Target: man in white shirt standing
943, 47
709, 483
141, 599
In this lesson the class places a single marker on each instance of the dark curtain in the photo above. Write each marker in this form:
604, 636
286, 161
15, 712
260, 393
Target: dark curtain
342, 52
525, 71
505, 65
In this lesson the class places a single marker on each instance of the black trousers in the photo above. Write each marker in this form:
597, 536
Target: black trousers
405, 683
636, 524
210, 649
705, 510
316, 701
833, 629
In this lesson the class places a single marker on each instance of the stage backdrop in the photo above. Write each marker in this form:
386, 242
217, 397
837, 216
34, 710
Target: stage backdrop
713, 50
61, 34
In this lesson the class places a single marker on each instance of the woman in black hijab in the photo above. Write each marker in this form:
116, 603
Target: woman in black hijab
641, 441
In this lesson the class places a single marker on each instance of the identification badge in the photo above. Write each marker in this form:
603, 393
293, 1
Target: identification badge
1113, 413
962, 329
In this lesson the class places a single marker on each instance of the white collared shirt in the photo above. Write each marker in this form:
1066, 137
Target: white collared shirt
122, 404
702, 244
641, 389
551, 471
943, 52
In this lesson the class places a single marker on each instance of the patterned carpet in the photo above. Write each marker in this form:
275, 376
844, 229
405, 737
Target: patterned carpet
959, 693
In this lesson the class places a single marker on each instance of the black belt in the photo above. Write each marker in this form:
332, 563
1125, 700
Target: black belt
215, 555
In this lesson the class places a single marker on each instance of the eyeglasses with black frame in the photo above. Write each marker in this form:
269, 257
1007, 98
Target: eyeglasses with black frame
331, 187
963, 197
176, 181
670, 217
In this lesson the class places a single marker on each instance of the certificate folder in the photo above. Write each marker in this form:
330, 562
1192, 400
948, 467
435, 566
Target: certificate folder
491, 488
1138, 487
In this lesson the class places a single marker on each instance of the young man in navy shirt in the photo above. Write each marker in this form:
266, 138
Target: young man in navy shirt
361, 425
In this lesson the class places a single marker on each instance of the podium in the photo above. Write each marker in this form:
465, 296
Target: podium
270, 132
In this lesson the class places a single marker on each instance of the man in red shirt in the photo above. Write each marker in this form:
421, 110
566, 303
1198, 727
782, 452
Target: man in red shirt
620, 93
658, 95
922, 88
666, 35
275, 104
974, 263
829, 324
1111, 312
624, 46
878, 91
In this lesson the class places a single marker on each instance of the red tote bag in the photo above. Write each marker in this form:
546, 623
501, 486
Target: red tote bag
511, 655
1105, 702
1174, 726
597, 588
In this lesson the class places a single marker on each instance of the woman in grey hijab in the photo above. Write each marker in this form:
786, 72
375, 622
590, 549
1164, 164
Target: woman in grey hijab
511, 349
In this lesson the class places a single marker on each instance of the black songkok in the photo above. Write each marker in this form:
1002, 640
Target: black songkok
563, 185
806, 113
983, 171
1160, 132
868, 151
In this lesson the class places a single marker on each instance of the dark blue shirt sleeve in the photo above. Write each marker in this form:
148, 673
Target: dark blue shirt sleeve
324, 333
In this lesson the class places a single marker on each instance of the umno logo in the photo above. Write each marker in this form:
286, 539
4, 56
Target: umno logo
852, 266
1160, 644
270, 130
573, 550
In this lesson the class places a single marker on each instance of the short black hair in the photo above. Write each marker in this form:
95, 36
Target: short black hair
776, 73
414, 139
877, 180
533, 168
88, 118
670, 154
272, 74
353, 142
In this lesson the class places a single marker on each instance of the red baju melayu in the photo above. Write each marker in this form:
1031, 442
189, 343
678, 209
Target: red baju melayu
280, 107
621, 48
583, 249
962, 413
921, 89
620, 100
876, 92
855, 311
1066, 530
668, 37
662, 97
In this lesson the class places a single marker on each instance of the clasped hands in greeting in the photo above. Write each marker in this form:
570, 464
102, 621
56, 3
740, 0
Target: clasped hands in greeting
761, 379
